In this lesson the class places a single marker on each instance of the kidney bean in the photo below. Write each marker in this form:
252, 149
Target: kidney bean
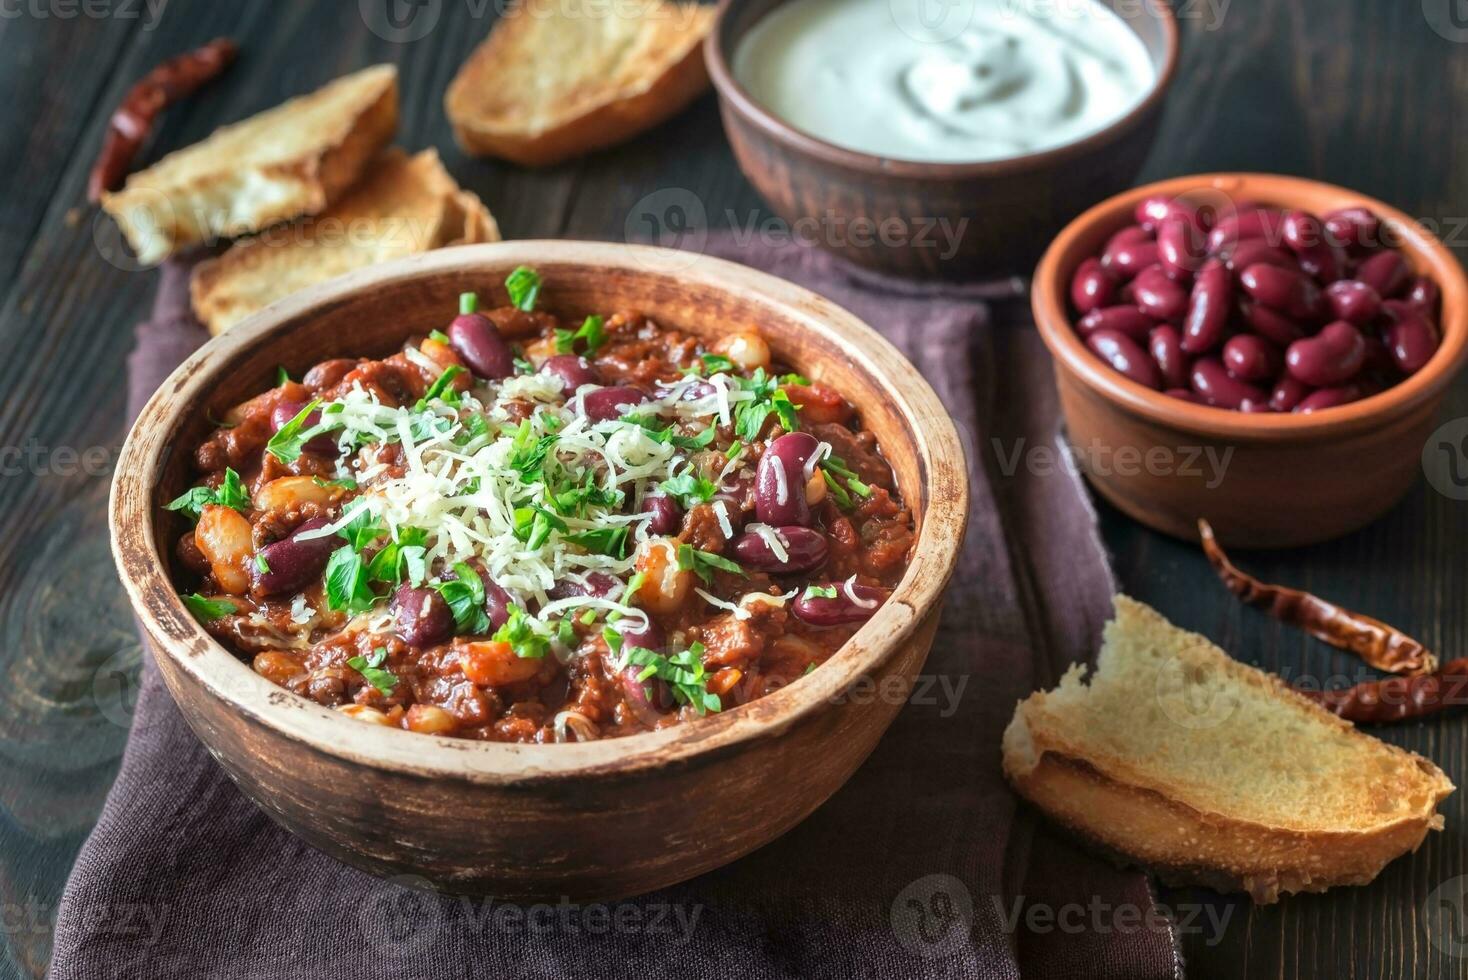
1181, 246
1092, 286
291, 563
1251, 358
1159, 296
1378, 357
1250, 407
779, 486
1291, 293
421, 616
1331, 357
1288, 392
1305, 236
604, 404
1424, 294
1385, 272
1238, 256
1128, 252
1220, 389
1262, 223
1270, 324
1184, 394
1124, 319
474, 338
649, 636
647, 697
1412, 340
667, 516
572, 370
806, 549
1125, 357
1353, 301
497, 601
1166, 348
1153, 211
1354, 229
1323, 398
284, 411
1208, 309
598, 585
842, 610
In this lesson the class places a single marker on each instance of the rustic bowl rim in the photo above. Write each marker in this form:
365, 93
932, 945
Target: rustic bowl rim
176, 635
798, 140
1050, 286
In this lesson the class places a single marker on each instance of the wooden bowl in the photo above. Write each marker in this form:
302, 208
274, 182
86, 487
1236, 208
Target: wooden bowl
528, 822
1288, 479
899, 216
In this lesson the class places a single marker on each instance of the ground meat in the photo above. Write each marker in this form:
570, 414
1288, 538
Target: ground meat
859, 451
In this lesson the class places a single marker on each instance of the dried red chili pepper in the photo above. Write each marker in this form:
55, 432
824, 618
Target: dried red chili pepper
1397, 698
1380, 645
172, 80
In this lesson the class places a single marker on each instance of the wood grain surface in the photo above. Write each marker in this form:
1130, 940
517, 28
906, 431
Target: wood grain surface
1357, 92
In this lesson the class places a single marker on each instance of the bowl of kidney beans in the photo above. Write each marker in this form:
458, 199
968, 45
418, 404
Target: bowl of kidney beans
1300, 333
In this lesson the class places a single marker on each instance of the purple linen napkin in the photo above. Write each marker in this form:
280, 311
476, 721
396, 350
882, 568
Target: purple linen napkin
924, 864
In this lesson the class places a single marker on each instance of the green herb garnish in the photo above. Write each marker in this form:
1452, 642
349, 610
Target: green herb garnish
704, 563
230, 493
465, 596
522, 637
370, 667
611, 541
819, 592
683, 672
523, 286
441, 388
208, 610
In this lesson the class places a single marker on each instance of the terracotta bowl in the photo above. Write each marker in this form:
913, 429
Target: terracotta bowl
900, 216
1285, 479
586, 821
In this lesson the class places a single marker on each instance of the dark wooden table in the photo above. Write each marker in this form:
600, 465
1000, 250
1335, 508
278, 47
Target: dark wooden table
1366, 94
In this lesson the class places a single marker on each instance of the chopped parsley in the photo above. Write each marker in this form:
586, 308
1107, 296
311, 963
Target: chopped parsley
769, 397
534, 524
282, 376
819, 592
519, 632
231, 493
286, 445
439, 335
469, 303
683, 672
442, 388
704, 563
465, 596
523, 285
689, 489
592, 334
261, 564
347, 586
839, 479
208, 610
370, 667
611, 541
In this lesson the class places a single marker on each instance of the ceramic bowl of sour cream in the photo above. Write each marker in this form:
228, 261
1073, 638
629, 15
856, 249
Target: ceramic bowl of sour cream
940, 138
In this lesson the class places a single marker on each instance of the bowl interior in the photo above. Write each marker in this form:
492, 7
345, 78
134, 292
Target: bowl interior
1152, 21
371, 313
1087, 235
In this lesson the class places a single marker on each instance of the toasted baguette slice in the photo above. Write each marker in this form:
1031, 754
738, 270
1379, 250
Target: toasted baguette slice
403, 206
1180, 758
288, 161
558, 78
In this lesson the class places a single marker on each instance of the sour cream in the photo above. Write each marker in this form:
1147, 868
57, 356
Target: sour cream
950, 81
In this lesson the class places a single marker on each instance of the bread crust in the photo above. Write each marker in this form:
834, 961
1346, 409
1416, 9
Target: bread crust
1184, 845
401, 207
591, 119
1188, 836
202, 193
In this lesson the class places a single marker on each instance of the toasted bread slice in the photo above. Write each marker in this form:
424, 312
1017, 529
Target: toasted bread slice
1182, 759
403, 206
558, 78
288, 161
